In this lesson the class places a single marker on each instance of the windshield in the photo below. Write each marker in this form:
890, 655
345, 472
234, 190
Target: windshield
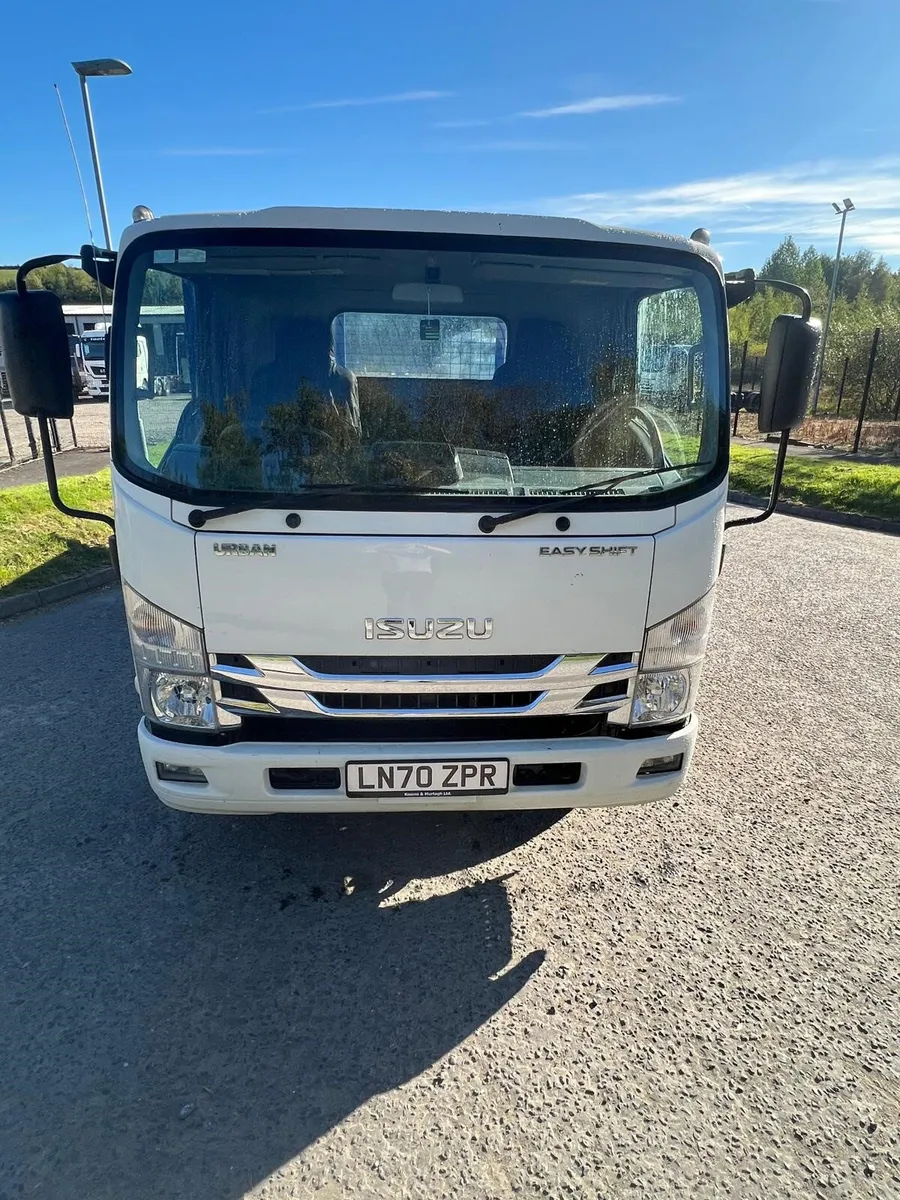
94, 349
259, 370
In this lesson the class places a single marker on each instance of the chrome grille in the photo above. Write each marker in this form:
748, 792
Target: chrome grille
420, 686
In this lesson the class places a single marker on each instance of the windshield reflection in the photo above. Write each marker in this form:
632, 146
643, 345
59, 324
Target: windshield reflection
537, 388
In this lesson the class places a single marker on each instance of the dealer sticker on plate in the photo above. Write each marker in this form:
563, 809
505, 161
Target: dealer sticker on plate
408, 780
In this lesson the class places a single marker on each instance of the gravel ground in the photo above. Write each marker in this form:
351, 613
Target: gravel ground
89, 429
697, 999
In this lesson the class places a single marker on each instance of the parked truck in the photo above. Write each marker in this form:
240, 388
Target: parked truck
399, 521
89, 364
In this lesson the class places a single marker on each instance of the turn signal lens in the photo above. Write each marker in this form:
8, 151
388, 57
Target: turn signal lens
160, 640
680, 640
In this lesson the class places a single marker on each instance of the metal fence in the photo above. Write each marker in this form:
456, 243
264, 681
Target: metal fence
859, 399
20, 439
871, 369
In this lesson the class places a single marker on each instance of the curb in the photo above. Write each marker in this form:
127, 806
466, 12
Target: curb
788, 508
12, 606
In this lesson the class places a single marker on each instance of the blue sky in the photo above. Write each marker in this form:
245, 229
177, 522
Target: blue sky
748, 116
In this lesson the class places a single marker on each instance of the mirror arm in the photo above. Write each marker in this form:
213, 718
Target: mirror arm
46, 260
53, 486
803, 295
776, 487
100, 265
739, 287
782, 285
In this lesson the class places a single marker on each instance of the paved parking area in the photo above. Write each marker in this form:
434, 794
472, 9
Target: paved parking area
88, 429
696, 999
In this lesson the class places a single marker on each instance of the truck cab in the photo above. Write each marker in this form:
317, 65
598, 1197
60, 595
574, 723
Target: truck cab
410, 510
89, 352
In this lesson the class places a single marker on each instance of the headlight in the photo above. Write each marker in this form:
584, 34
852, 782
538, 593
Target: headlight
172, 667
182, 699
666, 687
661, 696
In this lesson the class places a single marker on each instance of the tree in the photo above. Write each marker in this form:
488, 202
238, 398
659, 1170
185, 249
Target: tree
784, 262
856, 271
162, 288
880, 282
860, 275
71, 284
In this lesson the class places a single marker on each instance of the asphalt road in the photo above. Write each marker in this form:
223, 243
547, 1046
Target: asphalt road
697, 999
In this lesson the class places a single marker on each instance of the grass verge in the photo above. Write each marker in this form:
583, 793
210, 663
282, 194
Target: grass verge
40, 546
870, 489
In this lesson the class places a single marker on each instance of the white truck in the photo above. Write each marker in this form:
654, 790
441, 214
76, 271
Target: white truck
403, 529
89, 352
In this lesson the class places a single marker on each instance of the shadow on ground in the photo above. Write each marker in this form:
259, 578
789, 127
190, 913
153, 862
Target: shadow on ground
192, 1001
76, 559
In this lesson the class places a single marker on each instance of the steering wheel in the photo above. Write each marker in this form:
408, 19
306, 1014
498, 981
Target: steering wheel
641, 426
647, 432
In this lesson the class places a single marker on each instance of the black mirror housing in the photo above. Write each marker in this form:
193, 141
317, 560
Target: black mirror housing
36, 354
100, 265
790, 361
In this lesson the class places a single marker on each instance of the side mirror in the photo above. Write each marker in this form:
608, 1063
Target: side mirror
790, 361
36, 354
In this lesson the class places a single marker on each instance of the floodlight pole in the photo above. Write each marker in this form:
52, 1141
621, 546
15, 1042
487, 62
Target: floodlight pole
848, 206
95, 157
98, 68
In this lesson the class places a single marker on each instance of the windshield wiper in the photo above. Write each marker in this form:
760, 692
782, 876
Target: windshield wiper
487, 524
198, 517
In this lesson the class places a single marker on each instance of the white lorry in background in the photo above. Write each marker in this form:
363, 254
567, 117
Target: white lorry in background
412, 510
89, 359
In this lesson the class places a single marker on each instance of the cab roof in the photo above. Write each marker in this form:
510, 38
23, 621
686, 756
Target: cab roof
418, 221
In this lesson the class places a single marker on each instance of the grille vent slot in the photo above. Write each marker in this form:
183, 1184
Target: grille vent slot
462, 664
421, 701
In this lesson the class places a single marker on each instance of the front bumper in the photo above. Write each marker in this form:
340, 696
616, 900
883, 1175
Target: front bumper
238, 779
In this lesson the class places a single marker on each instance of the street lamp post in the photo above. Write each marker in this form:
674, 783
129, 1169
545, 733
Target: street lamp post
842, 210
95, 68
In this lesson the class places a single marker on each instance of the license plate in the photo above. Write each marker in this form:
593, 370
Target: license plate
437, 777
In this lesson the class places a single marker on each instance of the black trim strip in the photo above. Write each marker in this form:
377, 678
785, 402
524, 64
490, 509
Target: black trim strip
192, 737
546, 536
302, 731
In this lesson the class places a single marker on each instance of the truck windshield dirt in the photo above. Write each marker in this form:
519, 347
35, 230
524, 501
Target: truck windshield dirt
261, 371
